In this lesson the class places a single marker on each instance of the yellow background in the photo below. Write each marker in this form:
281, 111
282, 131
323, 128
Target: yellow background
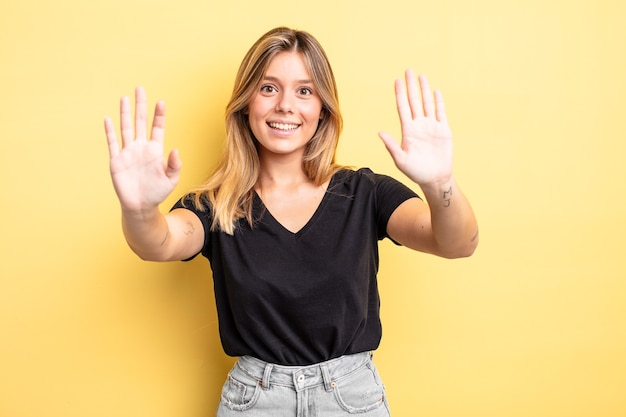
534, 324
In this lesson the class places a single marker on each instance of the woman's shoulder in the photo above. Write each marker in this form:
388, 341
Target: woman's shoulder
196, 202
348, 173
358, 175
351, 181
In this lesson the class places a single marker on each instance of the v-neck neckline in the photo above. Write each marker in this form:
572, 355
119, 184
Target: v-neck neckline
267, 214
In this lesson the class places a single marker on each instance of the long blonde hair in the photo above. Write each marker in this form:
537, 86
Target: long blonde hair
229, 190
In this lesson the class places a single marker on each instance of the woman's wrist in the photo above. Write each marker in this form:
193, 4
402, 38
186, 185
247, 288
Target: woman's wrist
440, 192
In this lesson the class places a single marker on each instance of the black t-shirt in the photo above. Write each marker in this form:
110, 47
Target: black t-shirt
306, 297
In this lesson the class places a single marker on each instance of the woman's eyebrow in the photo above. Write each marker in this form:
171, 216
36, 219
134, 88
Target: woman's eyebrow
277, 80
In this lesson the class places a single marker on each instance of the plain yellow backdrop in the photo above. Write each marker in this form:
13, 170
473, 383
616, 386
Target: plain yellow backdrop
534, 324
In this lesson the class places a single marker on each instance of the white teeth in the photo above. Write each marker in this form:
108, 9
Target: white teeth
283, 126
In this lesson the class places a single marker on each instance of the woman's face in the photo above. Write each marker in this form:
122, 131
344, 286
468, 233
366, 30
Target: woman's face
286, 109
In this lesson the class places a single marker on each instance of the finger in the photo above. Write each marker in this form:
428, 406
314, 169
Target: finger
141, 109
158, 123
174, 165
109, 129
427, 97
126, 122
440, 107
392, 145
414, 97
402, 102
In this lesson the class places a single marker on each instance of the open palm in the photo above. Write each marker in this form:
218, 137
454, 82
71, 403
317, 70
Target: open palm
141, 175
425, 152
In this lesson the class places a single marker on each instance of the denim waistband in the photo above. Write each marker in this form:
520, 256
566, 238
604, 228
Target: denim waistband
303, 377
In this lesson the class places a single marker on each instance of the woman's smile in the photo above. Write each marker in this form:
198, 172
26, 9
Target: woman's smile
286, 127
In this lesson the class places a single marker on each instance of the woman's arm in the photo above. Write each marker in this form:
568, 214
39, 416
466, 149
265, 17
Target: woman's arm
143, 178
446, 225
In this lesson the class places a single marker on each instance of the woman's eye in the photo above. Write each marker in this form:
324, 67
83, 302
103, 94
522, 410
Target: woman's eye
305, 91
268, 89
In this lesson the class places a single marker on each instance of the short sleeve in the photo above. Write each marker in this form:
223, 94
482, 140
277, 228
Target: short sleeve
390, 193
187, 202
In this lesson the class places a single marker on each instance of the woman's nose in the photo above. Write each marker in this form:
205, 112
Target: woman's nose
285, 103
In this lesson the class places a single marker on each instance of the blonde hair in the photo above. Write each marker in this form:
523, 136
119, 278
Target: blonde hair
229, 190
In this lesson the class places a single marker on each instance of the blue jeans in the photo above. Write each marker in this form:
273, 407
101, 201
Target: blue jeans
340, 387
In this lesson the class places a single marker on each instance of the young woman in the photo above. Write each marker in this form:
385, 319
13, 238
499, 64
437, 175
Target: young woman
292, 236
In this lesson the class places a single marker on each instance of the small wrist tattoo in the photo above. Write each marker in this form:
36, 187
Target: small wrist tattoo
447, 197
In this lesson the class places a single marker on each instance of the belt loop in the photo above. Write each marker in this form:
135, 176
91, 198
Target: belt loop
328, 383
265, 383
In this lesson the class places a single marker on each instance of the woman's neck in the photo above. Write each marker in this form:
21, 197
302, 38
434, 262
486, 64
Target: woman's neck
281, 173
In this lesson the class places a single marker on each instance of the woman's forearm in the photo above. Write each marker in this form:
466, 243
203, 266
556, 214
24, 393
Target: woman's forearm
454, 225
147, 233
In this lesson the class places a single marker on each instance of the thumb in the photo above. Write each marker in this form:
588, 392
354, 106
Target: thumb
174, 165
392, 146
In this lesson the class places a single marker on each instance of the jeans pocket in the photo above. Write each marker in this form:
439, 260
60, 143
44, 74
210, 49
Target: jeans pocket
240, 392
361, 391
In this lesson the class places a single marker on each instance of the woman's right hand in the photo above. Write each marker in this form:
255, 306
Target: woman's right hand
141, 175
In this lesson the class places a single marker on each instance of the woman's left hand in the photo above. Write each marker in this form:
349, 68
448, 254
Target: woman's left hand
425, 152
